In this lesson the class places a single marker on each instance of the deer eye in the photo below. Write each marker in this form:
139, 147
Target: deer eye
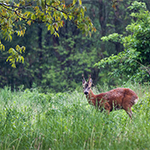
85, 86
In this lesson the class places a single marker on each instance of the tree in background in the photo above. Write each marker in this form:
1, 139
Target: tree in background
54, 63
134, 62
16, 14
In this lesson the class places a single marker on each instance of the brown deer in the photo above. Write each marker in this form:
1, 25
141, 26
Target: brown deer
119, 98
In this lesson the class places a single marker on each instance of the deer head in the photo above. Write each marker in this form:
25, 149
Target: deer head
86, 85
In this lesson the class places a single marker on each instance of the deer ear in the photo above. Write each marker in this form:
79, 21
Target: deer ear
90, 81
83, 81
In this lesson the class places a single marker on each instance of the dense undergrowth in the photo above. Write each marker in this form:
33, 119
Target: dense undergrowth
38, 121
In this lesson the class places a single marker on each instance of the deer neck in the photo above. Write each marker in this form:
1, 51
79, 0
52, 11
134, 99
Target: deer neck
91, 97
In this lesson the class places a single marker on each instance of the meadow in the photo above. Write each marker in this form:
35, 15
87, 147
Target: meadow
30, 120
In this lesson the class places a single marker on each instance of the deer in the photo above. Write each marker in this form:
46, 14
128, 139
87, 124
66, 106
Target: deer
119, 98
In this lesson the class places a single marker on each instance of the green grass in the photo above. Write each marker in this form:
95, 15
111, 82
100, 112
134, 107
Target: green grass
30, 120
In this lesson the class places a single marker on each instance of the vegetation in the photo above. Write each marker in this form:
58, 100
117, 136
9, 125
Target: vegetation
133, 62
46, 43
17, 14
33, 120
56, 64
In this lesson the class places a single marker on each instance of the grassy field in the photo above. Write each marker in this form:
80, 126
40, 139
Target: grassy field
30, 120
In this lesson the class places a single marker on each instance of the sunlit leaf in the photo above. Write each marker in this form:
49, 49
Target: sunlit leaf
80, 2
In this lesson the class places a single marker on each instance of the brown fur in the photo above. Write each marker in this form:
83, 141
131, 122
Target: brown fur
119, 98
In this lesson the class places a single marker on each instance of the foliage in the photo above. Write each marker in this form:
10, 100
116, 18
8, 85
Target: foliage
56, 64
33, 120
66, 70
52, 63
133, 62
16, 15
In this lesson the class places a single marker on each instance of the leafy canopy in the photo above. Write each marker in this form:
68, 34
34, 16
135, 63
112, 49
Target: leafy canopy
15, 16
133, 62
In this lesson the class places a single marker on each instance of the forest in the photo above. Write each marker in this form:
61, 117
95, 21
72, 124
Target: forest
45, 48
117, 52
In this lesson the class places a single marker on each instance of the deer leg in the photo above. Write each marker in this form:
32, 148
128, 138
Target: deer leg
107, 107
127, 107
129, 112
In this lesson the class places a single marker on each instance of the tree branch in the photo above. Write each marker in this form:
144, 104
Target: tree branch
13, 6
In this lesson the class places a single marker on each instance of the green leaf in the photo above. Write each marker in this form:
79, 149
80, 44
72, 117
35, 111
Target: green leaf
65, 16
80, 2
74, 2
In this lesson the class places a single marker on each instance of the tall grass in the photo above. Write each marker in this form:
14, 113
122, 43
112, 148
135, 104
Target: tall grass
36, 121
